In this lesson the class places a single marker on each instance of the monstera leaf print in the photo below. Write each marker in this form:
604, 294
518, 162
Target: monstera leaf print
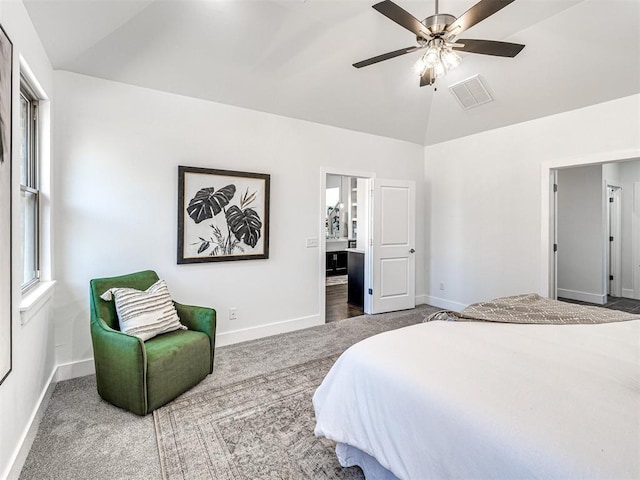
209, 202
244, 224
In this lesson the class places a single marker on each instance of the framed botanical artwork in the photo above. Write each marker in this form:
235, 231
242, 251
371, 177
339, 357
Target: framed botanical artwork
222, 215
6, 75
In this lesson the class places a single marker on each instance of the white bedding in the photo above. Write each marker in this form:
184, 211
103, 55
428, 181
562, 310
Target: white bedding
484, 400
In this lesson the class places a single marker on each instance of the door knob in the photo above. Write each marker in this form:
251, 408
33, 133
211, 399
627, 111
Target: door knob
412, 251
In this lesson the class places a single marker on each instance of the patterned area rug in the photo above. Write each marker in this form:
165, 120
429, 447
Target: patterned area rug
259, 428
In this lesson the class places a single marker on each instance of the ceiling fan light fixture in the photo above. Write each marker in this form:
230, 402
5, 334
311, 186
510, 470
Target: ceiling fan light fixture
439, 70
420, 66
438, 35
432, 56
439, 58
451, 59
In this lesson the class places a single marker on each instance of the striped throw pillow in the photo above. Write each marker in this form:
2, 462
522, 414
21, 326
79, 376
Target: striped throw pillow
145, 314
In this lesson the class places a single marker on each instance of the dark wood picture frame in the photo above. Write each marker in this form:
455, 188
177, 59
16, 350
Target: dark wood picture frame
6, 283
223, 215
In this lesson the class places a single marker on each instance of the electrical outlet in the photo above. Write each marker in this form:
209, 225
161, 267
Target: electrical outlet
312, 242
441, 285
233, 313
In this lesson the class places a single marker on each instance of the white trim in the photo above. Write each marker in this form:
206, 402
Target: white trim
604, 214
34, 300
16, 462
546, 233
44, 170
32, 79
545, 185
61, 372
446, 304
613, 252
582, 296
627, 293
87, 367
422, 299
253, 333
80, 368
553, 225
635, 238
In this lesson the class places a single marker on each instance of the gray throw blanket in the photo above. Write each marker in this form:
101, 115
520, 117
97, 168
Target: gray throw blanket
532, 308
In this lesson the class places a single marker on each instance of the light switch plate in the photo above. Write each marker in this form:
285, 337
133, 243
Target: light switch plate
312, 242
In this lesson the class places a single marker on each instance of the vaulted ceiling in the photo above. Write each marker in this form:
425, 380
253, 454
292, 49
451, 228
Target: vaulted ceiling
294, 58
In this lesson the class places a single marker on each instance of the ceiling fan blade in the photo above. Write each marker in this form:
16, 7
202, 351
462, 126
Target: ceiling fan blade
426, 78
402, 18
477, 13
386, 56
488, 47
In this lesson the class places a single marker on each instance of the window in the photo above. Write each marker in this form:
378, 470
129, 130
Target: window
29, 185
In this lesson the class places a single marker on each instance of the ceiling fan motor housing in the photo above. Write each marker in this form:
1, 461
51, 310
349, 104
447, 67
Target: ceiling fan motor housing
437, 24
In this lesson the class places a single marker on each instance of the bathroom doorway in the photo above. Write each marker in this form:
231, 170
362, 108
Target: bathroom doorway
346, 234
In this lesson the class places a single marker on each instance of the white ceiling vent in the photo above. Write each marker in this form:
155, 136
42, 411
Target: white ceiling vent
470, 92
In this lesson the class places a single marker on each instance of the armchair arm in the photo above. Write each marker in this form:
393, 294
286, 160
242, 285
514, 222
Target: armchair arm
200, 319
121, 367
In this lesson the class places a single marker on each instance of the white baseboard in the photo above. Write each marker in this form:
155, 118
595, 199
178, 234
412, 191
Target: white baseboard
582, 296
61, 372
29, 435
628, 293
87, 367
70, 370
252, 333
422, 299
82, 368
445, 304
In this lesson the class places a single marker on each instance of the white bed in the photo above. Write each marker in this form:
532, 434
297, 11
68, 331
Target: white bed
488, 400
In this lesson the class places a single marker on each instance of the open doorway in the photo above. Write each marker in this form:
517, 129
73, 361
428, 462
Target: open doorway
346, 233
377, 233
596, 234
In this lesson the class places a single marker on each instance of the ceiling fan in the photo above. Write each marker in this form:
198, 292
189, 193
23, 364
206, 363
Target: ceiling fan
438, 34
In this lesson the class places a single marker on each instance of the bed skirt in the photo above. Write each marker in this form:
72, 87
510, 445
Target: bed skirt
349, 456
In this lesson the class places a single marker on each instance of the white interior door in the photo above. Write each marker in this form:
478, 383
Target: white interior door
394, 265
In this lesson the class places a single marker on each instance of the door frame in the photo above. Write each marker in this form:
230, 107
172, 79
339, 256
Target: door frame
614, 229
635, 238
553, 225
547, 217
322, 243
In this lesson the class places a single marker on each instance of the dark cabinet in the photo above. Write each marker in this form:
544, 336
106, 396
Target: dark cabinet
355, 291
336, 263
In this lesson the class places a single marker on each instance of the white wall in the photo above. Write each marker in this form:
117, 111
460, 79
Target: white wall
611, 173
581, 234
118, 148
485, 198
33, 343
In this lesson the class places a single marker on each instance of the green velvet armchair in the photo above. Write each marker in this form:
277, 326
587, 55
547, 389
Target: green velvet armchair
142, 376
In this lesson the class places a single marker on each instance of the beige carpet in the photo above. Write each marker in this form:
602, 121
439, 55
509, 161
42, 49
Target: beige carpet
256, 429
83, 437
